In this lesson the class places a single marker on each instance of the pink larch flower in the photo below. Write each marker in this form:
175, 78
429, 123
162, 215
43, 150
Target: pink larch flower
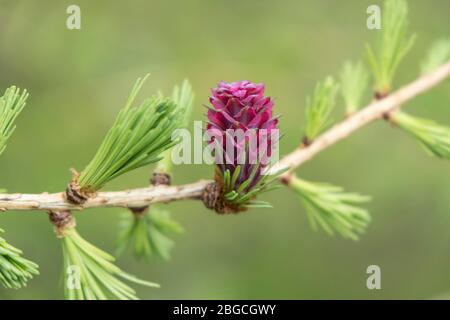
242, 105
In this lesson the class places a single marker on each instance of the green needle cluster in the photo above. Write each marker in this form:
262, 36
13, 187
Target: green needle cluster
354, 80
434, 138
392, 44
15, 270
11, 104
99, 277
438, 54
183, 97
147, 233
332, 209
137, 138
319, 107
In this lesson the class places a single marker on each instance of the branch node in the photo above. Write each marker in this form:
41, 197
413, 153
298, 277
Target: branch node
139, 212
213, 199
286, 178
74, 193
386, 116
61, 220
157, 179
378, 95
160, 178
306, 142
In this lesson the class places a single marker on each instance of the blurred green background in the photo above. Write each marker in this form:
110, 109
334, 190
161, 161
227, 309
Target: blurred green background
78, 80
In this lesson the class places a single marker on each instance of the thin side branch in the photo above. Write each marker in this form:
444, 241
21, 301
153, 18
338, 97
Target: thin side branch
372, 112
132, 198
146, 196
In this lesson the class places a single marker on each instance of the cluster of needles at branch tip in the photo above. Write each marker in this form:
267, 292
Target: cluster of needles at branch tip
139, 136
91, 272
147, 230
354, 80
434, 138
332, 209
148, 233
183, 96
11, 104
318, 109
15, 270
391, 47
438, 55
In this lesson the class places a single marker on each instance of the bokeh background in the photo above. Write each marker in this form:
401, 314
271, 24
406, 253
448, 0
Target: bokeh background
78, 81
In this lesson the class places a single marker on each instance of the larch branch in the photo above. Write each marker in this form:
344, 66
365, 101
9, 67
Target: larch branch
372, 112
146, 196
128, 198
